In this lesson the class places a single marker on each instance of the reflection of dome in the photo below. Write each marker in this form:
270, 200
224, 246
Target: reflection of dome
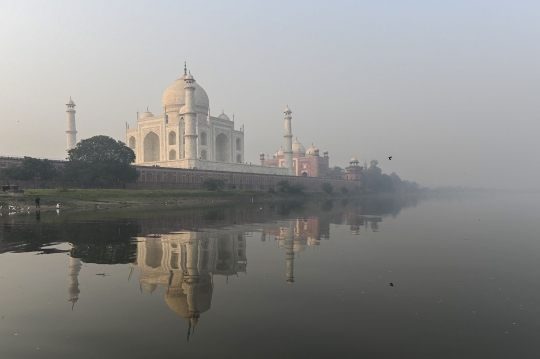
223, 116
297, 148
147, 114
150, 288
175, 96
177, 300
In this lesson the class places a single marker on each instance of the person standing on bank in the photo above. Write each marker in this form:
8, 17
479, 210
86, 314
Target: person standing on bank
37, 201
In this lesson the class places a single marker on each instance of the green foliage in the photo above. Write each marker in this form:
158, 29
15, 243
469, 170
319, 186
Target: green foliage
335, 171
285, 187
213, 184
344, 190
33, 168
327, 188
101, 159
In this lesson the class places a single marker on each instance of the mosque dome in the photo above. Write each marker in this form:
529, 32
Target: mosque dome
146, 114
223, 116
280, 152
312, 151
297, 148
353, 160
325, 152
175, 96
70, 102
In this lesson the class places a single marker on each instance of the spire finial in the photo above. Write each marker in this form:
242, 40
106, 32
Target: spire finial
185, 68
146, 108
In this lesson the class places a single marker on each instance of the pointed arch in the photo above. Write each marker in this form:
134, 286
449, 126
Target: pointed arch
204, 139
132, 143
172, 138
204, 155
172, 155
151, 147
223, 150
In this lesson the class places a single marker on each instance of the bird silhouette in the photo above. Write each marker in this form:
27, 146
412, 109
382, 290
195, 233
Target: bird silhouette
391, 284
390, 158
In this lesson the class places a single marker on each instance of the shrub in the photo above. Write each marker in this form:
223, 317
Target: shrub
213, 184
327, 188
344, 190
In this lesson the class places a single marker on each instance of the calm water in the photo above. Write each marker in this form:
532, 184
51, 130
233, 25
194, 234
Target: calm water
289, 281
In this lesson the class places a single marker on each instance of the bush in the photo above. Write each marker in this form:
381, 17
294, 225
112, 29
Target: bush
213, 184
344, 190
327, 188
285, 187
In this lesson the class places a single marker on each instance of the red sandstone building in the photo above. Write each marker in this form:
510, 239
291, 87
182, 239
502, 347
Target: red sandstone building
305, 163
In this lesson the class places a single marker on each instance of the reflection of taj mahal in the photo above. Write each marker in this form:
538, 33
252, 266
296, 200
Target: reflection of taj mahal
185, 264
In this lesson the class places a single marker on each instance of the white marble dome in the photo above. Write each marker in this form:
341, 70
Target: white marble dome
175, 97
312, 151
298, 148
146, 114
223, 116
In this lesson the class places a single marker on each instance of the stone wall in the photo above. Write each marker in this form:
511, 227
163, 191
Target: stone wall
179, 178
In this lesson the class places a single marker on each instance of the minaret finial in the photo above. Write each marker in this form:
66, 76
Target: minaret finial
146, 108
185, 68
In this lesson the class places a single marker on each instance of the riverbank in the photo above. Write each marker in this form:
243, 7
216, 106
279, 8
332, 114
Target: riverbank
125, 198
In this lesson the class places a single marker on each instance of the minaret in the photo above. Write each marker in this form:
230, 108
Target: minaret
190, 119
287, 143
75, 265
71, 131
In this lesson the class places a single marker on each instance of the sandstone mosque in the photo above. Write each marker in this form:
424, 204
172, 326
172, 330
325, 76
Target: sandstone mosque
187, 136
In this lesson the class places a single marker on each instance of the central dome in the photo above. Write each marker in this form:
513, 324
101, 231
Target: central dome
175, 97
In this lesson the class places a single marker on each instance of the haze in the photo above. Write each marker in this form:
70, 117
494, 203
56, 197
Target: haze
449, 89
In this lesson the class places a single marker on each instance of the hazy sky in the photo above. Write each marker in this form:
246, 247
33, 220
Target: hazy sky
450, 89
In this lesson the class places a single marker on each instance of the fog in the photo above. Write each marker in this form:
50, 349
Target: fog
449, 89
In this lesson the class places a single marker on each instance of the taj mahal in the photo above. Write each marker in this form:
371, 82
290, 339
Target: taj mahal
186, 136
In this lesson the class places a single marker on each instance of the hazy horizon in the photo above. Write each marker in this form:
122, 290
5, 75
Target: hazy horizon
448, 89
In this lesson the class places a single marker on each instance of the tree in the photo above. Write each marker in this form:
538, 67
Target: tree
344, 190
213, 184
335, 171
285, 187
101, 159
327, 188
33, 169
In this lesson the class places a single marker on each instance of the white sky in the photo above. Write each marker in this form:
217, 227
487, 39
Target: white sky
448, 88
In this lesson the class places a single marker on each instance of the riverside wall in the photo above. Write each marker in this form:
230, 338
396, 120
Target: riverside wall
179, 178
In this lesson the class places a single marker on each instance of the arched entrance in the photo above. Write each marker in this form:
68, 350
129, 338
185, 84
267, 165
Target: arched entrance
238, 158
151, 147
223, 148
304, 174
132, 143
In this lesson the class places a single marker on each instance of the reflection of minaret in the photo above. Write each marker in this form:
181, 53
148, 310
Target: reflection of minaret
75, 265
289, 248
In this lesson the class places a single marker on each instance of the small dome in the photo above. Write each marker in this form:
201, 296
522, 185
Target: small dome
312, 151
261, 154
70, 102
223, 116
147, 114
189, 77
353, 160
288, 110
325, 152
297, 148
279, 152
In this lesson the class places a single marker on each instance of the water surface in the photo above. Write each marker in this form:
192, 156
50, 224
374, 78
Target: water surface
291, 280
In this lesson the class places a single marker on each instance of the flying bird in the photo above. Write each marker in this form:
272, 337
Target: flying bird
390, 158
